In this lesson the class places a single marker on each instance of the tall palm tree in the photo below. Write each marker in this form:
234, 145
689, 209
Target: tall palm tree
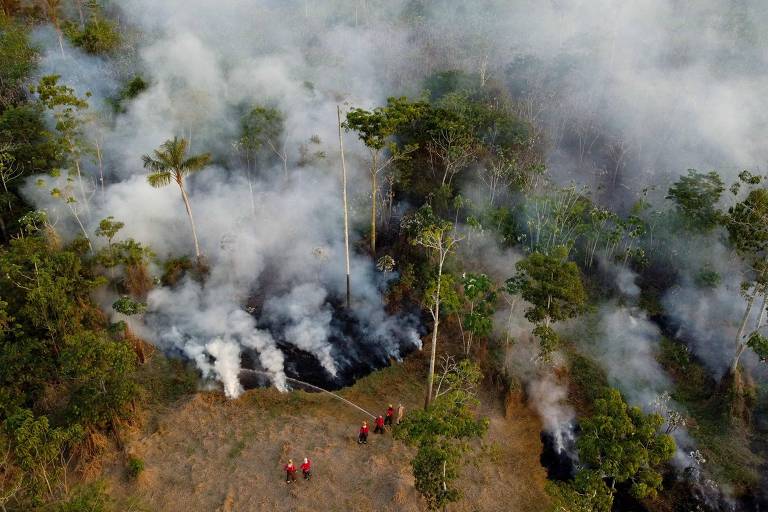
170, 164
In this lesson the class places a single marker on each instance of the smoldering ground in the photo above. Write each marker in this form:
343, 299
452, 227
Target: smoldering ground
626, 94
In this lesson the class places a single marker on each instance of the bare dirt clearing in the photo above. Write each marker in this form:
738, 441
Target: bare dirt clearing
212, 454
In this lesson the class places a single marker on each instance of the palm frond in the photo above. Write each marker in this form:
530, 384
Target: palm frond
159, 179
196, 162
175, 149
153, 164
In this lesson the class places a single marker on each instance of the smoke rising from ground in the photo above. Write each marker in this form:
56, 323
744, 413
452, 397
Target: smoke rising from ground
627, 93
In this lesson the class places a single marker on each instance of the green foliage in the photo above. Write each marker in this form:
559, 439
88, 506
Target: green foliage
586, 493
479, 294
98, 36
758, 343
60, 371
449, 299
696, 196
416, 222
588, 379
622, 444
170, 162
36, 448
86, 498
128, 306
174, 269
261, 126
441, 434
376, 127
23, 134
98, 372
68, 110
108, 228
17, 61
132, 89
135, 467
549, 341
443, 83
707, 277
126, 252
551, 285
746, 223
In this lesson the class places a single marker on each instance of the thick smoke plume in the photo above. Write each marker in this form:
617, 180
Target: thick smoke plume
626, 93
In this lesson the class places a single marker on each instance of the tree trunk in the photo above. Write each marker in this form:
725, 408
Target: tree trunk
739, 343
436, 318
373, 207
101, 168
344, 198
82, 189
180, 182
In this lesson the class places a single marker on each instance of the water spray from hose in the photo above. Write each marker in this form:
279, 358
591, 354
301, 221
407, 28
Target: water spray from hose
317, 388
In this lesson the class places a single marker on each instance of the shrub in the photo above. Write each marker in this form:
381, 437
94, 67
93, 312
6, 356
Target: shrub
135, 467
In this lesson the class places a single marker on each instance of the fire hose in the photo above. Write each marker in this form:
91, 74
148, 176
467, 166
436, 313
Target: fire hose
318, 388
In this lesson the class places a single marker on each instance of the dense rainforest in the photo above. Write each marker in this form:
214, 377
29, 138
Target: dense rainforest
556, 206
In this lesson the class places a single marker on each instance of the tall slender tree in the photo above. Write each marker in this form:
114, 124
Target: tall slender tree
377, 129
439, 239
344, 196
170, 163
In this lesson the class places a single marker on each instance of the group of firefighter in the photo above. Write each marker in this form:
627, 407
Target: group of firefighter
290, 470
387, 420
381, 422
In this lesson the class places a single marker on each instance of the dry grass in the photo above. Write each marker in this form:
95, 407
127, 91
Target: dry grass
212, 454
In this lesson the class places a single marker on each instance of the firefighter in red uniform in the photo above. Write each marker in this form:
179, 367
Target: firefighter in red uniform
306, 468
379, 429
390, 415
363, 437
290, 472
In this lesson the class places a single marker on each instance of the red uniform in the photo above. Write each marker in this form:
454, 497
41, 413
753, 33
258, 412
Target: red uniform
362, 438
390, 417
290, 473
306, 467
379, 428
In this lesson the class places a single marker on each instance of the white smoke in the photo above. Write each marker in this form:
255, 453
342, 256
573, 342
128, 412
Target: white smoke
307, 321
550, 400
654, 74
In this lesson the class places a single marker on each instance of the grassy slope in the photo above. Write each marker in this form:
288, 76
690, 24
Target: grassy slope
207, 453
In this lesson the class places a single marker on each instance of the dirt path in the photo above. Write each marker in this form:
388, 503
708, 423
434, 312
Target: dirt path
211, 454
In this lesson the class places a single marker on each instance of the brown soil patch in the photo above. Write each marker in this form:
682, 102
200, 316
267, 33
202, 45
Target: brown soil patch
212, 454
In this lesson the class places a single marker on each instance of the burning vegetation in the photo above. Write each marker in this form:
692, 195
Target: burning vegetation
446, 204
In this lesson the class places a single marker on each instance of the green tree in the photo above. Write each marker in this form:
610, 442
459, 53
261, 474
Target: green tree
696, 196
476, 317
37, 447
97, 36
17, 60
452, 136
262, 127
170, 163
439, 240
68, 111
553, 288
442, 432
586, 493
620, 444
98, 372
747, 224
376, 129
